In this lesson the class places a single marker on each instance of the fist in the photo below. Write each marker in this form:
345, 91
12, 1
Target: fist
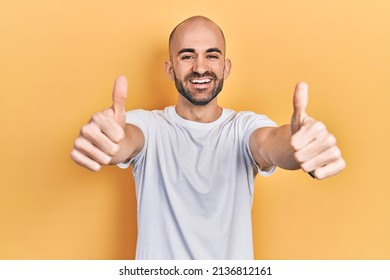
315, 148
99, 139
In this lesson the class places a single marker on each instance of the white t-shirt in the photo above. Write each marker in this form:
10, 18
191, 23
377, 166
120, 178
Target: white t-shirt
194, 185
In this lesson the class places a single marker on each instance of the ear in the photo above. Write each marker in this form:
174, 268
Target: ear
169, 69
228, 67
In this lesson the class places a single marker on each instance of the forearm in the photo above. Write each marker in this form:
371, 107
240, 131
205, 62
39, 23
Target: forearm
271, 146
279, 150
130, 145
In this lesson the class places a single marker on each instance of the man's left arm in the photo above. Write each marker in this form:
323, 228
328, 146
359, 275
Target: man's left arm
305, 143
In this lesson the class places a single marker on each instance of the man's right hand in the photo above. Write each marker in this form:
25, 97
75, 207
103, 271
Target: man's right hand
98, 142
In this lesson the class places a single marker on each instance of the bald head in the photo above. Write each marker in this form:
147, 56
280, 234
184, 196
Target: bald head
192, 24
197, 61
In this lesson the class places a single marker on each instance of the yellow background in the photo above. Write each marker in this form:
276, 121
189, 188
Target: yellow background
58, 62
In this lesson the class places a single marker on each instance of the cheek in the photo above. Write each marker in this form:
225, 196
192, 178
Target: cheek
181, 71
219, 70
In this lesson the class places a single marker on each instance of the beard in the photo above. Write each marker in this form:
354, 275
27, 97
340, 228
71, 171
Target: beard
192, 96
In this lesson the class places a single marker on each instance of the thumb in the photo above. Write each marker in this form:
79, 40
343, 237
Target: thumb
119, 98
300, 102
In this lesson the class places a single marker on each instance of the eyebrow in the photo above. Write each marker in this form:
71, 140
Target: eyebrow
189, 50
186, 50
214, 50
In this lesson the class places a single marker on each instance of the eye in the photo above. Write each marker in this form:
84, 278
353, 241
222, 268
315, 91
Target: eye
187, 57
213, 56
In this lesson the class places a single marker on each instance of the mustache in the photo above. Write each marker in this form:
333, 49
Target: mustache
196, 75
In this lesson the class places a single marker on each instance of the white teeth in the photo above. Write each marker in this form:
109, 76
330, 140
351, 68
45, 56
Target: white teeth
202, 81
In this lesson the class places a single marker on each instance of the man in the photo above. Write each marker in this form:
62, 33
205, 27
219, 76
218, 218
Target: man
194, 163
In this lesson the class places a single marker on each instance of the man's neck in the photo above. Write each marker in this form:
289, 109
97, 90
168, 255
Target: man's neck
204, 114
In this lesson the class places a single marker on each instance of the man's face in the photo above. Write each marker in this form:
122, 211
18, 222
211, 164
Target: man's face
198, 64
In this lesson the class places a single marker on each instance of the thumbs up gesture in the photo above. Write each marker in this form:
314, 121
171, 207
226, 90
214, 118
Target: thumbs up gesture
99, 139
314, 147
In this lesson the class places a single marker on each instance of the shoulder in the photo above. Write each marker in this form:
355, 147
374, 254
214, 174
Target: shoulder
146, 119
250, 117
148, 114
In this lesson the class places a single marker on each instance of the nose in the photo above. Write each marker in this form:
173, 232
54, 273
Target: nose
199, 65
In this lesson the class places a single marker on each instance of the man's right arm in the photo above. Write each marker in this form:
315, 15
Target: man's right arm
106, 138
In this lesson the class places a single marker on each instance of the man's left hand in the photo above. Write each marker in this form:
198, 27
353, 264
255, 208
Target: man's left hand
315, 149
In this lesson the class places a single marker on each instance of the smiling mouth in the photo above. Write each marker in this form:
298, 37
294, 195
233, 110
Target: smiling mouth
200, 81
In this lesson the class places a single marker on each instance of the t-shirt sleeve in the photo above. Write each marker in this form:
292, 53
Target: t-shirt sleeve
254, 122
141, 119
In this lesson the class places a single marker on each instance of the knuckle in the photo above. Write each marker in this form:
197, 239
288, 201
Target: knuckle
320, 175
73, 155
294, 143
97, 117
86, 130
105, 159
95, 167
298, 157
343, 164
114, 149
336, 154
78, 143
323, 136
91, 164
306, 168
319, 126
101, 116
331, 140
119, 136
122, 135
